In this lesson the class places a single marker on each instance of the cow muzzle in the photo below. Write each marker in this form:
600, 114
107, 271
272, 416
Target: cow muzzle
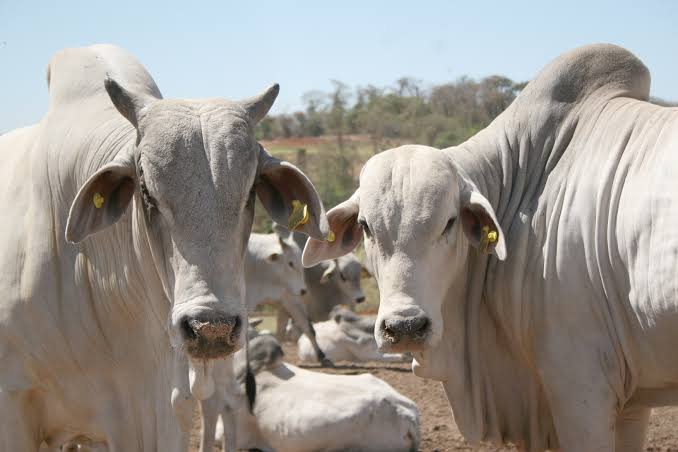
403, 333
210, 335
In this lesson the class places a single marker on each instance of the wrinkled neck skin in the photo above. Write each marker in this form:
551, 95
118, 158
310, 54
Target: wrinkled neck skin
121, 284
484, 358
114, 337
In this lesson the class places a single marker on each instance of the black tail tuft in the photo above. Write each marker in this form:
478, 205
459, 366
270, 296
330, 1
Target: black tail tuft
250, 389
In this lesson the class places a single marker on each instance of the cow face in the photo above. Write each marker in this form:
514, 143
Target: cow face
420, 219
344, 273
284, 261
193, 176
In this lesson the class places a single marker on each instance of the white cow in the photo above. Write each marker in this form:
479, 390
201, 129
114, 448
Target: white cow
273, 274
532, 269
298, 410
122, 211
346, 337
329, 284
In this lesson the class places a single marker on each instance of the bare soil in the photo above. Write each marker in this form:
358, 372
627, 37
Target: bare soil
438, 430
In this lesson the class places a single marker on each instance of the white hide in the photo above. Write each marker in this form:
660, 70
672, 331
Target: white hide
561, 332
302, 411
340, 345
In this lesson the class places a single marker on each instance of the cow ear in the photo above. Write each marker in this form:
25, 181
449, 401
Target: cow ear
327, 274
102, 200
128, 104
289, 197
480, 225
345, 234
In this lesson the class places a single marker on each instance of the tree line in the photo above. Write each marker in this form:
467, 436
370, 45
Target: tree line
440, 115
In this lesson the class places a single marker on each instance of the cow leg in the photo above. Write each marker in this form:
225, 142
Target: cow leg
310, 332
582, 402
209, 412
281, 324
631, 429
229, 442
301, 319
19, 429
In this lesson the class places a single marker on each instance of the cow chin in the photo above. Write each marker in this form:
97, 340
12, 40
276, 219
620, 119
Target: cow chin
425, 366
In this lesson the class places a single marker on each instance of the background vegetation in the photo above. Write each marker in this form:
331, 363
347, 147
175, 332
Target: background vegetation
337, 131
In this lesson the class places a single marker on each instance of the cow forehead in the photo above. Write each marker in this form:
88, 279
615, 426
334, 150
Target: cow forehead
410, 187
350, 266
190, 146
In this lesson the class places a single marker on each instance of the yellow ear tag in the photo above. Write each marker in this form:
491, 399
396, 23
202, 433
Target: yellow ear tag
331, 237
487, 237
98, 200
299, 215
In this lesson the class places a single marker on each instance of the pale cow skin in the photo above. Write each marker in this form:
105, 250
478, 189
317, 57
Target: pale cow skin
532, 269
122, 212
298, 410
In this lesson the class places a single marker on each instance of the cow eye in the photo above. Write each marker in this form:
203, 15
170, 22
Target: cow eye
341, 275
291, 264
449, 225
363, 223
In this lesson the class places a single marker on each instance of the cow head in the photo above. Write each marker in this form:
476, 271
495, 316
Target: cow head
420, 219
345, 273
193, 175
284, 261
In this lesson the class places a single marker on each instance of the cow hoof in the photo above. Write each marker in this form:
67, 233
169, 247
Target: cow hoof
326, 363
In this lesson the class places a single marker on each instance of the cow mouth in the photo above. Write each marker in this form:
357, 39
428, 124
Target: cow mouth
201, 348
424, 365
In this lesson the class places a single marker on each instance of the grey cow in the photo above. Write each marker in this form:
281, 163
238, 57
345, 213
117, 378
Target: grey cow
273, 274
532, 269
122, 212
328, 284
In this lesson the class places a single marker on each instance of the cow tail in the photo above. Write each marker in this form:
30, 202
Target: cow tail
250, 382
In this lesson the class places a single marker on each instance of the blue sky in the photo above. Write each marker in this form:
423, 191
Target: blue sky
234, 49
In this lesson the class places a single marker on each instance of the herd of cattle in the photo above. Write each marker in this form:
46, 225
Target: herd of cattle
531, 269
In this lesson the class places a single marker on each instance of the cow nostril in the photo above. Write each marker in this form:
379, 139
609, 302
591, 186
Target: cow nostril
302, 292
412, 329
187, 330
211, 328
389, 332
360, 299
422, 326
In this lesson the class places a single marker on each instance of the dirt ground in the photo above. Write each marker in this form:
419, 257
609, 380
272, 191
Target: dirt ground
438, 430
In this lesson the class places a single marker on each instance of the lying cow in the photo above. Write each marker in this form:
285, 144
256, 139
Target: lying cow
122, 211
346, 337
329, 284
532, 269
298, 410
273, 274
